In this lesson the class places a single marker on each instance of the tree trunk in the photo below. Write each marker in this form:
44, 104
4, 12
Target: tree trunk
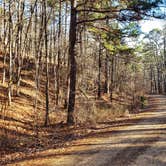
4, 41
99, 73
66, 92
106, 86
165, 65
20, 28
59, 55
112, 78
10, 57
47, 67
151, 80
73, 67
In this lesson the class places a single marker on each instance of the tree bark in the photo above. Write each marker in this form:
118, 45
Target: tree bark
112, 78
47, 67
165, 64
4, 41
106, 86
99, 73
10, 57
73, 66
59, 54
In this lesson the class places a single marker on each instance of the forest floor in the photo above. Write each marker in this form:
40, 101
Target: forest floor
22, 134
136, 140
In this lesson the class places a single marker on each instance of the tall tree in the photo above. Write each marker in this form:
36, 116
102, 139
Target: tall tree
98, 11
47, 58
10, 54
73, 66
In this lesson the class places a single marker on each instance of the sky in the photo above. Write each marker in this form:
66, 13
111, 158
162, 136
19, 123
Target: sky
148, 25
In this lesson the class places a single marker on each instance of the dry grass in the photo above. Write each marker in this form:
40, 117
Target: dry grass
94, 111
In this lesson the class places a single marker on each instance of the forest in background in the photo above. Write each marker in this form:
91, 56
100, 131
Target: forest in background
70, 62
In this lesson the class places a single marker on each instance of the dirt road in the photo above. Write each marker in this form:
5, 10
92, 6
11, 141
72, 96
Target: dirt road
139, 140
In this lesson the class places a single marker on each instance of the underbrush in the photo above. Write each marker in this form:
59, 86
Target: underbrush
92, 112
